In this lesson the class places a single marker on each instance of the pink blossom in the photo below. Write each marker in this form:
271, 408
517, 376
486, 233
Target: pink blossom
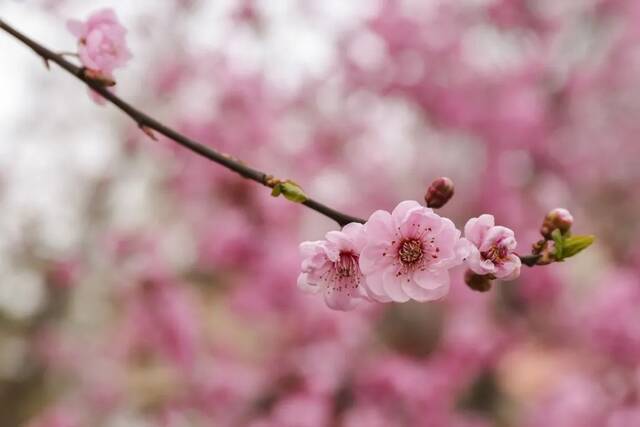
162, 316
408, 254
57, 417
331, 266
102, 44
612, 319
575, 400
302, 411
492, 248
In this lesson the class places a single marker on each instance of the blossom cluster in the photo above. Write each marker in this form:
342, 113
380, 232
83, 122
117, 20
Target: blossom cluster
404, 255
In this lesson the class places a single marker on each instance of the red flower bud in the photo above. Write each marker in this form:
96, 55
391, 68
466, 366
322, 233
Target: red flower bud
439, 193
478, 282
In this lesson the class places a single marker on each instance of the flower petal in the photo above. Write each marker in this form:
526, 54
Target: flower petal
374, 288
305, 286
375, 257
393, 287
431, 280
510, 269
340, 298
418, 293
77, 28
380, 226
420, 223
400, 212
475, 228
355, 232
498, 235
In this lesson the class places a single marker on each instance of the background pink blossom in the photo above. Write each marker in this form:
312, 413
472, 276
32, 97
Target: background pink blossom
143, 286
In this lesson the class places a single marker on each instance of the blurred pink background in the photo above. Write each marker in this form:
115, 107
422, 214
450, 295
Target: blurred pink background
143, 286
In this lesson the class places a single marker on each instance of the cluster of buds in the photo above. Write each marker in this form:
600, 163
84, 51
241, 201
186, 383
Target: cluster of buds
558, 243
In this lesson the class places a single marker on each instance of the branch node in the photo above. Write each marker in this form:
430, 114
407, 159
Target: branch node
97, 77
271, 181
147, 131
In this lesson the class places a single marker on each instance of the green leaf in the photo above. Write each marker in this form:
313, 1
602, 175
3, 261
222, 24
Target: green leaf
277, 190
559, 241
576, 244
290, 190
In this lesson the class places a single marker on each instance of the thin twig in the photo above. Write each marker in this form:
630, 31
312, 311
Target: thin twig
145, 121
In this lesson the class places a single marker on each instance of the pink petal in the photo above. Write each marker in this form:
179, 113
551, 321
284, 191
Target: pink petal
417, 293
476, 228
448, 242
439, 293
103, 16
314, 262
420, 222
431, 280
393, 285
356, 233
400, 212
351, 238
339, 239
375, 257
86, 59
510, 269
474, 261
308, 249
374, 288
77, 28
339, 300
305, 286
380, 227
463, 248
498, 235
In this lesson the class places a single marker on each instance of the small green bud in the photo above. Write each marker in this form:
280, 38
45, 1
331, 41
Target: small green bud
290, 190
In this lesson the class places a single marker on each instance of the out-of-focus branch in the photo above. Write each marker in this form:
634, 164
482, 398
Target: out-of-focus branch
148, 123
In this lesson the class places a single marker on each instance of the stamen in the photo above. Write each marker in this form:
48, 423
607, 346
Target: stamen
496, 254
347, 265
410, 251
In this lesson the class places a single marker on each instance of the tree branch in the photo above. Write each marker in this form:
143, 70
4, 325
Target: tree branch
146, 122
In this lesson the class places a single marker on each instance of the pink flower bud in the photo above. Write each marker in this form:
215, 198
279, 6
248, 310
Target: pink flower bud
557, 219
439, 193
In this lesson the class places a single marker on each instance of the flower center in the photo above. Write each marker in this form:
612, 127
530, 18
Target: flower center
346, 265
496, 254
410, 251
